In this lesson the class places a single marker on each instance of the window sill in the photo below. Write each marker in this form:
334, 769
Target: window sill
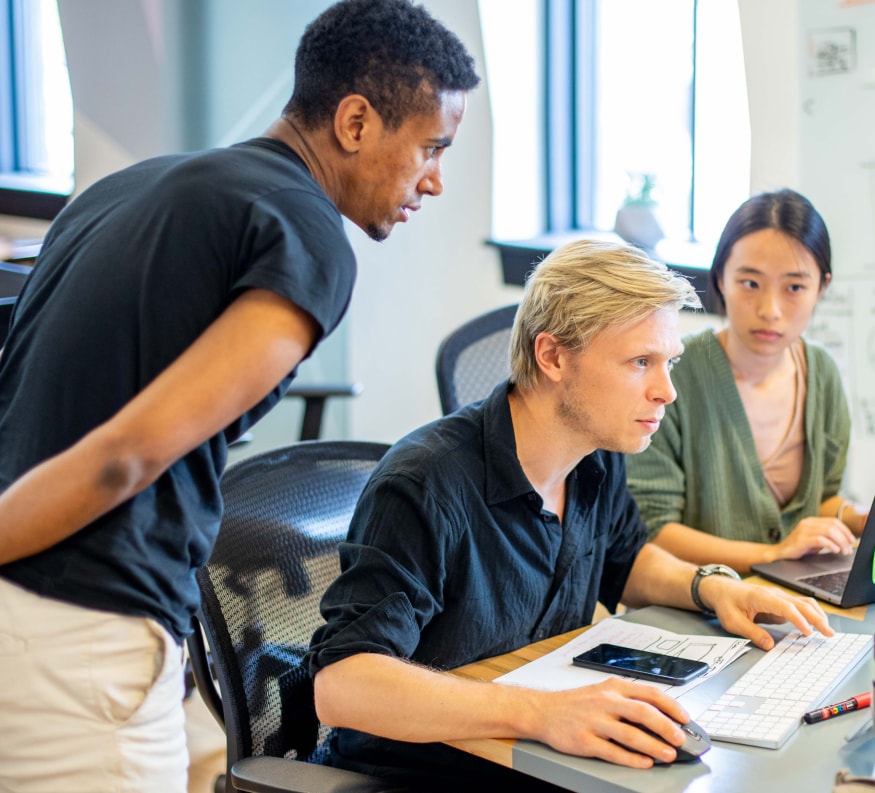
692, 259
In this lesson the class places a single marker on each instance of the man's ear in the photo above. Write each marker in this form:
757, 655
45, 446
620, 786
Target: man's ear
354, 119
549, 354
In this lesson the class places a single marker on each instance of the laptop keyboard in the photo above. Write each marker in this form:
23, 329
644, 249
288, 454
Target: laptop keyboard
833, 583
764, 707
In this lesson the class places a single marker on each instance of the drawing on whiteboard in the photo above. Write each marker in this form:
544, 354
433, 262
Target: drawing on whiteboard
832, 51
832, 325
868, 167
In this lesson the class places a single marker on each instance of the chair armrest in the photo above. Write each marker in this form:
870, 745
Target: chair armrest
324, 390
314, 396
275, 775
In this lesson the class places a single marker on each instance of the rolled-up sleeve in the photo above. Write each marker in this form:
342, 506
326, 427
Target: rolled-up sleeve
393, 573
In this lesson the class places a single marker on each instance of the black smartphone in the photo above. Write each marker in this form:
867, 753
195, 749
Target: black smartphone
641, 663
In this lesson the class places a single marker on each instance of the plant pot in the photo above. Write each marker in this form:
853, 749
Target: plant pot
637, 225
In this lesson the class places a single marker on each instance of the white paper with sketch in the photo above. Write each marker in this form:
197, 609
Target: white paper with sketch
555, 672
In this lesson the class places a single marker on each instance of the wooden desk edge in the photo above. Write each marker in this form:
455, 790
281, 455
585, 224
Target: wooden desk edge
488, 669
496, 750
500, 750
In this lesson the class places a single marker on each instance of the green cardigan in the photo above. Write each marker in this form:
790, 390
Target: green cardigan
702, 468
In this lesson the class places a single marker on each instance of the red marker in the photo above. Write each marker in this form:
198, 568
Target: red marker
854, 703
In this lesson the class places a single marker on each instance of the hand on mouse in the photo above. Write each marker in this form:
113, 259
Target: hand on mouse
696, 743
606, 720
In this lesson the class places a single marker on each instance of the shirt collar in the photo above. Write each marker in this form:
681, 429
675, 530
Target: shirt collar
505, 478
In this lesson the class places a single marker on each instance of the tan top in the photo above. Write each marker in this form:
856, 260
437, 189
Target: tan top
783, 467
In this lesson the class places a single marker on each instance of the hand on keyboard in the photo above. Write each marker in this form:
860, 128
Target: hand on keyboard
740, 605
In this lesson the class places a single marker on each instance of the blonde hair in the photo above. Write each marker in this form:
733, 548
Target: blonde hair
584, 287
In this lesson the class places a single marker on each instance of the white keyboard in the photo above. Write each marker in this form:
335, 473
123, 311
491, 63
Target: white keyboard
764, 707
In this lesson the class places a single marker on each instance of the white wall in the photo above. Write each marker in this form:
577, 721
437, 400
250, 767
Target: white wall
770, 38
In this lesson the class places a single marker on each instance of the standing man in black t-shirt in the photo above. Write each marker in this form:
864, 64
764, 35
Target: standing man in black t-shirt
168, 311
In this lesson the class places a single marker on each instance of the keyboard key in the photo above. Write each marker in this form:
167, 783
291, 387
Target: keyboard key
834, 583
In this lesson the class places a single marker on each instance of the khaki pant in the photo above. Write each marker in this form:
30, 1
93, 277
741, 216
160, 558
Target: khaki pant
89, 700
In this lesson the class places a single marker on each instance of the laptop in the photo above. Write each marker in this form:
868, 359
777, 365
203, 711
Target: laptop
845, 581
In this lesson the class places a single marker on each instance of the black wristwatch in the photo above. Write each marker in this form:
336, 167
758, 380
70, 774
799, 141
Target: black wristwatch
702, 572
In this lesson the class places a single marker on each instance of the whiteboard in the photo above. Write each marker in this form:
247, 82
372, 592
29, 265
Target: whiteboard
837, 172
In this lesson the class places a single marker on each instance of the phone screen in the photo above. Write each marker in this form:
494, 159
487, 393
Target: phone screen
641, 663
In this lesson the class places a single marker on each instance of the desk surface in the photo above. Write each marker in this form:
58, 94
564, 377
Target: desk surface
807, 762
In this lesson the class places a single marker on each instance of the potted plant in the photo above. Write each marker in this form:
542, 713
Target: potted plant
636, 220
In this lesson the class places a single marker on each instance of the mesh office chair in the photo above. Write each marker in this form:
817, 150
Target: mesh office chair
286, 510
474, 358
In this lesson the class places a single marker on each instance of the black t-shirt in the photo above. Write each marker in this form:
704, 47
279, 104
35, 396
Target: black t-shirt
130, 274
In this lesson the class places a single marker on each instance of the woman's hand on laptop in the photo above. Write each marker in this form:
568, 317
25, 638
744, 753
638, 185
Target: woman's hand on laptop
813, 535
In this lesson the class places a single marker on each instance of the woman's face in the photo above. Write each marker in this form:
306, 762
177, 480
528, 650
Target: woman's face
771, 284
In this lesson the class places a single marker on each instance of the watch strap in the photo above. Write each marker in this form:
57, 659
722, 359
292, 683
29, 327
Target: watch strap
704, 572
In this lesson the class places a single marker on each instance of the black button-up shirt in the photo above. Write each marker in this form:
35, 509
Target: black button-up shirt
451, 556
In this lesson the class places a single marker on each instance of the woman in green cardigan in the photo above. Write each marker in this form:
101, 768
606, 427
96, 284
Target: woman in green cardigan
748, 463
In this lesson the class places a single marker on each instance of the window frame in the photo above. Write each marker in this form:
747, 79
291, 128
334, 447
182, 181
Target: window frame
570, 55
24, 190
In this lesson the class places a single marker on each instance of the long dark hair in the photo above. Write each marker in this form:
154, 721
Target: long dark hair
783, 210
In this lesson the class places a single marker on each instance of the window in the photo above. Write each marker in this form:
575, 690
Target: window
632, 93
36, 112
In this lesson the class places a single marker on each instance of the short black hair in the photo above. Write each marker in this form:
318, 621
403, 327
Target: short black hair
392, 52
783, 210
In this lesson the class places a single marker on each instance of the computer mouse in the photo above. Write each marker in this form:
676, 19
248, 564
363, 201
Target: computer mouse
696, 742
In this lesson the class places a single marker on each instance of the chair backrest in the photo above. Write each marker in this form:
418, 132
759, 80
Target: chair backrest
285, 512
12, 278
474, 358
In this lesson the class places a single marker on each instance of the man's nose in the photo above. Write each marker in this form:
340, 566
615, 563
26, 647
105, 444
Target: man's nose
663, 390
432, 182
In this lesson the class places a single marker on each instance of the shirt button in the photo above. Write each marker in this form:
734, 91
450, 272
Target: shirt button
774, 534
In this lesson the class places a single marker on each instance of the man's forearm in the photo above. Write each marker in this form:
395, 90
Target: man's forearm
396, 699
658, 578
83, 486
401, 701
